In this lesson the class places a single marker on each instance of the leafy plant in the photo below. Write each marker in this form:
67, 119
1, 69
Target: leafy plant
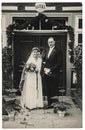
61, 105
78, 57
78, 68
6, 68
10, 106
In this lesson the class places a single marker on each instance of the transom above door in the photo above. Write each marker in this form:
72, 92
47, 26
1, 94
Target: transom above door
40, 22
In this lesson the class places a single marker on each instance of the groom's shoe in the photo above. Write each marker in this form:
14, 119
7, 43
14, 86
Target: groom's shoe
48, 107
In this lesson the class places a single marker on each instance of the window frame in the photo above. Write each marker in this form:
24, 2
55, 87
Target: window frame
77, 29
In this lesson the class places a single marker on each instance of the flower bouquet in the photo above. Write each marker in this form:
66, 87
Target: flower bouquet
31, 68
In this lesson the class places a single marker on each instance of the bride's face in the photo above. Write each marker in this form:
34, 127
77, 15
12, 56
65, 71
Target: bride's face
35, 54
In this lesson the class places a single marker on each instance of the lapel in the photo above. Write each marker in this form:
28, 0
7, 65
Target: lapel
47, 53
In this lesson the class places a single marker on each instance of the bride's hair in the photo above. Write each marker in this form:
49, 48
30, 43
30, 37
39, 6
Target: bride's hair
35, 48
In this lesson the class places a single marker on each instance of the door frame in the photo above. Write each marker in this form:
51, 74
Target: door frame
53, 32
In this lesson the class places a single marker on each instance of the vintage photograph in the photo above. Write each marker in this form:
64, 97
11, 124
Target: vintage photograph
41, 64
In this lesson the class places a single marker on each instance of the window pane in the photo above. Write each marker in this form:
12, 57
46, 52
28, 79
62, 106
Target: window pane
79, 38
80, 23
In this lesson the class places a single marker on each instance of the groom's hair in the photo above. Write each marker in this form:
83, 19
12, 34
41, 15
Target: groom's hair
51, 38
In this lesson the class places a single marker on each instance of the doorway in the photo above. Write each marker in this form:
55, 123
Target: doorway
24, 42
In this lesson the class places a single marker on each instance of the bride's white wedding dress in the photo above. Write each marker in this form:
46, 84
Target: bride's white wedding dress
32, 96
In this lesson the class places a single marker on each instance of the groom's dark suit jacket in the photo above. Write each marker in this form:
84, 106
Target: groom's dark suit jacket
54, 63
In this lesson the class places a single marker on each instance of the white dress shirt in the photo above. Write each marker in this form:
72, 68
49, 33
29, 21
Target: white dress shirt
50, 50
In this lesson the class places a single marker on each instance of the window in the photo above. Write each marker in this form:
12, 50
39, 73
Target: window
80, 23
78, 30
79, 38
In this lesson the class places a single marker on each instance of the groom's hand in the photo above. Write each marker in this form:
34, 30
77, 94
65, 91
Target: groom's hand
47, 71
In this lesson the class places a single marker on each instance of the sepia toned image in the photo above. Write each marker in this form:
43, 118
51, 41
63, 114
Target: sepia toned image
41, 64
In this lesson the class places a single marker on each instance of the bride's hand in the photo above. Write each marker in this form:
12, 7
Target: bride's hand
36, 70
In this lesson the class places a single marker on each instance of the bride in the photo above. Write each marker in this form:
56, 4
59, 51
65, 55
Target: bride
31, 84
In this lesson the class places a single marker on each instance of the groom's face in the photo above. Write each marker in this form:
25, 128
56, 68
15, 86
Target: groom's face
51, 42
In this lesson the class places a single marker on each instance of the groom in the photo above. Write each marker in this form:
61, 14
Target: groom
51, 70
